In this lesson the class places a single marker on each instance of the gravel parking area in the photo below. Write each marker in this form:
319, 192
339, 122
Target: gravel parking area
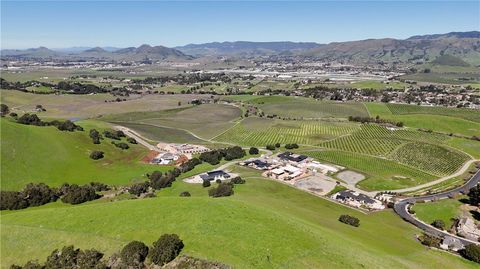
319, 184
350, 177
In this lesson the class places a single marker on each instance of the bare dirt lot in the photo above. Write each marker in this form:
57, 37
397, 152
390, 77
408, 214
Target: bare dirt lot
319, 184
350, 177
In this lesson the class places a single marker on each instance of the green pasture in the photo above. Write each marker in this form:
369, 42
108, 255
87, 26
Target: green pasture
265, 224
45, 154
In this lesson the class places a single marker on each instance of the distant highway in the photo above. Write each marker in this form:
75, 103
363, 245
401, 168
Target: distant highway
401, 208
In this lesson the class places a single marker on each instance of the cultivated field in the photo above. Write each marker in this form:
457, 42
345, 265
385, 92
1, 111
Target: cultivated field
205, 121
88, 106
299, 107
382, 174
259, 132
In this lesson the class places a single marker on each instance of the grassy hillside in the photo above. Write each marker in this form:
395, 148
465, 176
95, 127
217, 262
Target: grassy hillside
45, 154
264, 225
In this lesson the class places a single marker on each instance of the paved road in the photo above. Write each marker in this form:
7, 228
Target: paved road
401, 208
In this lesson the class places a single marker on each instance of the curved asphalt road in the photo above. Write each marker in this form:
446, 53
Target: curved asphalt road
401, 208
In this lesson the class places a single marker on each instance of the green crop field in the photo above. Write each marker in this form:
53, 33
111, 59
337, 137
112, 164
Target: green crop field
260, 132
378, 140
264, 225
45, 154
431, 158
471, 147
300, 107
381, 174
468, 114
205, 121
438, 123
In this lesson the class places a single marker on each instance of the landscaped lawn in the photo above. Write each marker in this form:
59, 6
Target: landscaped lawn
439, 210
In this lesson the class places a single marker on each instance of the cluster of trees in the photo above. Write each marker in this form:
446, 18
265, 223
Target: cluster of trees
114, 134
139, 188
158, 180
223, 189
40, 194
33, 119
377, 119
79, 88
291, 146
215, 156
134, 255
275, 146
350, 220
75, 194
471, 252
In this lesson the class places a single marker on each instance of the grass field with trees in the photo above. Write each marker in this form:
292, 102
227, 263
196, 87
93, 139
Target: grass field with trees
45, 154
254, 224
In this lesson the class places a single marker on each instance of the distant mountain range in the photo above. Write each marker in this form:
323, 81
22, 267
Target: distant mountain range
142, 53
246, 48
462, 46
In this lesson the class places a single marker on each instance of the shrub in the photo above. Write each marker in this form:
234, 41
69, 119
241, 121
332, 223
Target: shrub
95, 136
69, 257
134, 253
68, 126
270, 147
30, 119
439, 224
429, 240
4, 110
166, 248
131, 140
350, 220
96, 155
222, 190
139, 188
98, 186
185, 194
277, 145
75, 194
237, 180
12, 200
253, 151
206, 183
39, 194
474, 195
472, 252
121, 145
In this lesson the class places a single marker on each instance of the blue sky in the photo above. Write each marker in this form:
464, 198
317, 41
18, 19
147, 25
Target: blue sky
58, 24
